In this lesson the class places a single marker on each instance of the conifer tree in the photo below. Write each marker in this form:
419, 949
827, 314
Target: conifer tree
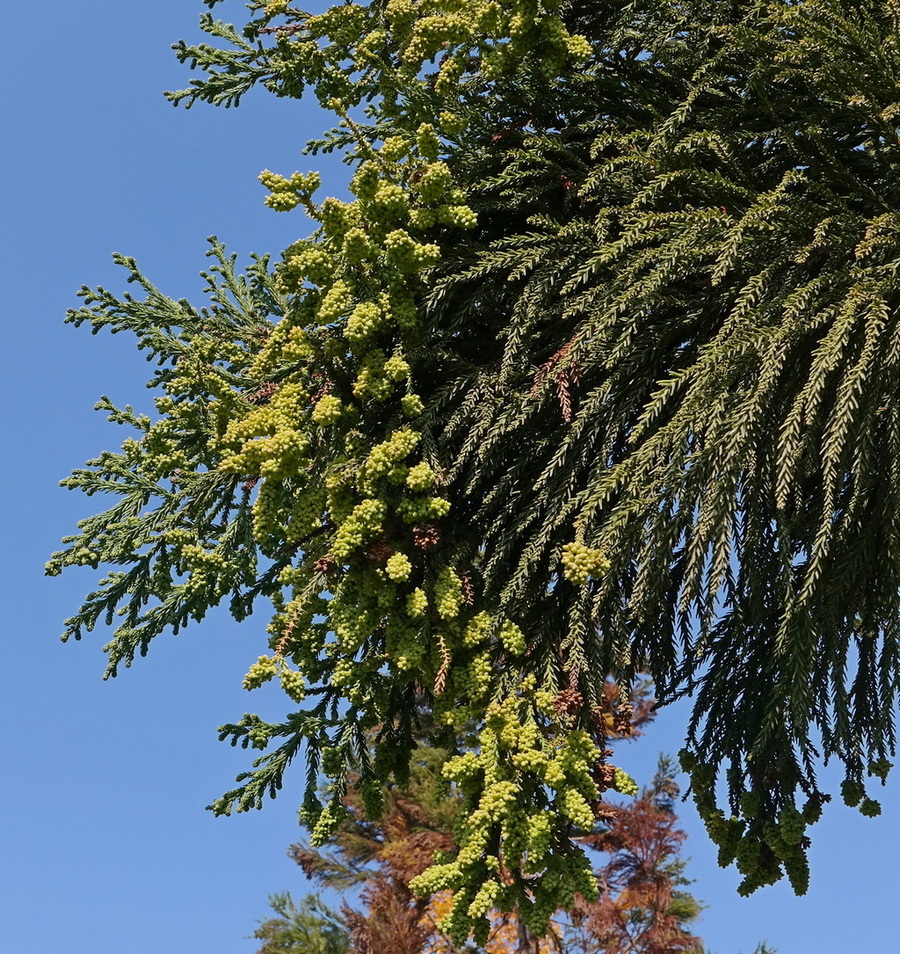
642, 906
642, 909
595, 374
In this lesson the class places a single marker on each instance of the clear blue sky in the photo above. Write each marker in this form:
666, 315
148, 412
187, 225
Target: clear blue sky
106, 847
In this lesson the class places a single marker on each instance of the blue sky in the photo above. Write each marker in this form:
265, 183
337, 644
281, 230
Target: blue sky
106, 846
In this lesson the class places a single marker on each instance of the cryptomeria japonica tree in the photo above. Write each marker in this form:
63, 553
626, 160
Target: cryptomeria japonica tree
642, 906
595, 374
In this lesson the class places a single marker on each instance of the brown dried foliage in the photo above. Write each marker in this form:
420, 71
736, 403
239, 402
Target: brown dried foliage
639, 906
566, 378
440, 680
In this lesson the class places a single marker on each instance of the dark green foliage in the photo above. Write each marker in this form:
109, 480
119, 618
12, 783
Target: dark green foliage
718, 319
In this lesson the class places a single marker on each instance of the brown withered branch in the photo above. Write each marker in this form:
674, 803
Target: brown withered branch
566, 378
468, 587
440, 680
287, 637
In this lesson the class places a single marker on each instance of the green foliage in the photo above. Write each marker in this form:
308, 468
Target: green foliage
595, 374
309, 926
